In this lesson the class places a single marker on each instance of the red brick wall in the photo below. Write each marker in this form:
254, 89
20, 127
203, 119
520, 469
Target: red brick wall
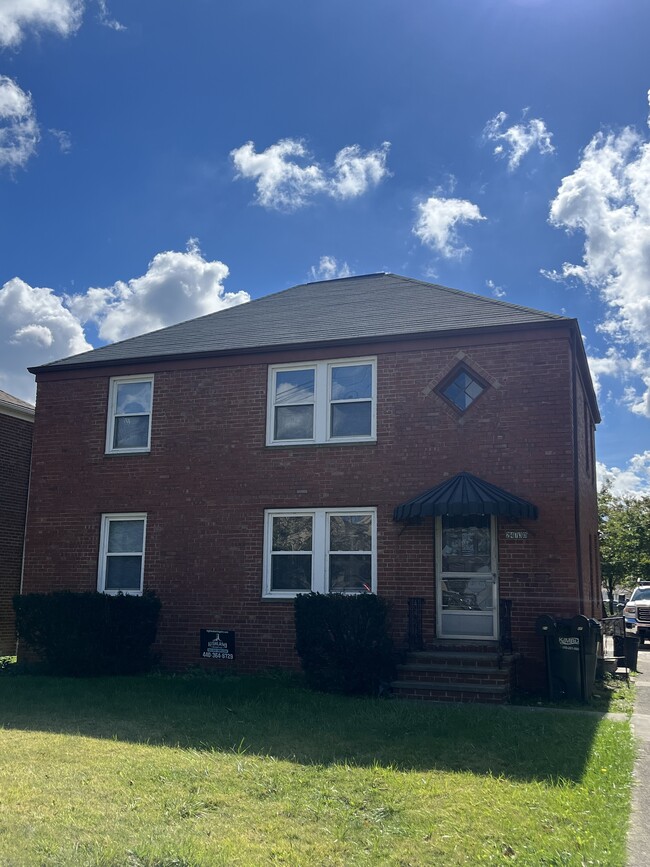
209, 477
15, 450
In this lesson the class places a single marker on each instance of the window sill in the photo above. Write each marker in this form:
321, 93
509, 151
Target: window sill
292, 444
121, 452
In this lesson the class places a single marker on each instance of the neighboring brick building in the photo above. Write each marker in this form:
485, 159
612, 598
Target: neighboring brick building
230, 461
16, 426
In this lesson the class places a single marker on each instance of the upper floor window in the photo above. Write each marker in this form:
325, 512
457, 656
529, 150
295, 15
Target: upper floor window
326, 401
320, 550
129, 414
121, 553
462, 387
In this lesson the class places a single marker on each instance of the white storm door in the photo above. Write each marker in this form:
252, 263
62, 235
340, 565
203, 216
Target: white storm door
466, 577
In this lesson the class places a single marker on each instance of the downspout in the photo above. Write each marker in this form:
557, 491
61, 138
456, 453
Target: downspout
576, 470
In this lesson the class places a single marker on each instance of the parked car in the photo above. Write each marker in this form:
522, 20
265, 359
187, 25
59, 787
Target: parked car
637, 611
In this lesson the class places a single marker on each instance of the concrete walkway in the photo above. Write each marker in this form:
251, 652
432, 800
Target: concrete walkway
638, 844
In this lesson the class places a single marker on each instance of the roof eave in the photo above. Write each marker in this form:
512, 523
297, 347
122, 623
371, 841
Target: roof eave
55, 367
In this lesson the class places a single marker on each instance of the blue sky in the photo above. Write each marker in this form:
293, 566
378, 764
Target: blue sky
163, 159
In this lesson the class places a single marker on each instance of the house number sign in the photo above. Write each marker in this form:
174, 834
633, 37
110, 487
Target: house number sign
516, 534
217, 644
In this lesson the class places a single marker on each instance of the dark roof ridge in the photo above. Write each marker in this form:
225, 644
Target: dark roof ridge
467, 294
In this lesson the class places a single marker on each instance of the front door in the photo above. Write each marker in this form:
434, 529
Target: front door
466, 577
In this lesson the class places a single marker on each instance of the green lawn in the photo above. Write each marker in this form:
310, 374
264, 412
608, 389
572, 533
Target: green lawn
252, 771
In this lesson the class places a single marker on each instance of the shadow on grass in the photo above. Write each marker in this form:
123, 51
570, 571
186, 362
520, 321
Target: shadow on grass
278, 717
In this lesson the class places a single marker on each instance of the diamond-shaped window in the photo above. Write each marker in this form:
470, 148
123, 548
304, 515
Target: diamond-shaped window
462, 388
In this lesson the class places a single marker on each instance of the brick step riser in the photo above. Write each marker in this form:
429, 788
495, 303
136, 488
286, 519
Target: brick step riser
467, 696
448, 662
495, 678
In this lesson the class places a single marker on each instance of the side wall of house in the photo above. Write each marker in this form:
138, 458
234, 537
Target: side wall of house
209, 477
15, 451
587, 516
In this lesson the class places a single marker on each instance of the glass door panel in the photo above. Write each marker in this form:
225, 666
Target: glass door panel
466, 577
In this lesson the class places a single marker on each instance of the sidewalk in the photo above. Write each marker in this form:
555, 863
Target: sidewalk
638, 846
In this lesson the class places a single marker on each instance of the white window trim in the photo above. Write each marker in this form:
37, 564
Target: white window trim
103, 551
112, 406
320, 549
322, 401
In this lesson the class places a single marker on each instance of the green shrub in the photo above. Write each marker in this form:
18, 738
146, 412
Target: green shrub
88, 634
343, 642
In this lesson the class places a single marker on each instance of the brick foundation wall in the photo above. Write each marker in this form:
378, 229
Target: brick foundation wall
210, 476
15, 450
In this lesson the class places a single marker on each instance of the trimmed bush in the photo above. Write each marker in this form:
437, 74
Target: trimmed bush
343, 642
89, 634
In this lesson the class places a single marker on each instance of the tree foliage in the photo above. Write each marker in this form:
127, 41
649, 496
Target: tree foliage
624, 532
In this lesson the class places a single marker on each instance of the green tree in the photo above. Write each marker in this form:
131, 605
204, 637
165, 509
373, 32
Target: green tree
624, 532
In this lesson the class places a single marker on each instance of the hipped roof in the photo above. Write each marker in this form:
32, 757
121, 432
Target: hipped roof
348, 309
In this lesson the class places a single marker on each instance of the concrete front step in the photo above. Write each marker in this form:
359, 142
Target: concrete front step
457, 691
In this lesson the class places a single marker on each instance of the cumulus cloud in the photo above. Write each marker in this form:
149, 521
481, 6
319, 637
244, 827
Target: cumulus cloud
607, 198
287, 177
18, 17
19, 133
516, 141
632, 480
329, 268
437, 221
176, 287
37, 326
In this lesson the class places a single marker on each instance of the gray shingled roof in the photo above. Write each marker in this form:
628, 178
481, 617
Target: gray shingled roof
10, 400
329, 311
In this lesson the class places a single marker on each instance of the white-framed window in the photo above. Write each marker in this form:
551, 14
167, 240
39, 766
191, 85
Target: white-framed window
121, 553
130, 399
322, 402
320, 550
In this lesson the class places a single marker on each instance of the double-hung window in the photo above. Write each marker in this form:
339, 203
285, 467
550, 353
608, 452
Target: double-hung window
325, 401
320, 550
129, 414
121, 553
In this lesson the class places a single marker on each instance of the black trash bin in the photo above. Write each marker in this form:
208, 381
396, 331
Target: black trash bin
571, 649
627, 648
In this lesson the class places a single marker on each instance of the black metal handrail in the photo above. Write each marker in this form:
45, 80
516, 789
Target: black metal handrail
505, 625
415, 637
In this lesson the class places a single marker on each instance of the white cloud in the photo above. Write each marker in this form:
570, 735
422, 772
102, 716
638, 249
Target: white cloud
18, 17
18, 127
287, 177
329, 269
495, 290
35, 327
105, 18
633, 480
607, 198
437, 221
517, 140
176, 287
63, 139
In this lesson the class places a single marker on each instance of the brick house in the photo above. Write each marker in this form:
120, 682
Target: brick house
367, 433
16, 426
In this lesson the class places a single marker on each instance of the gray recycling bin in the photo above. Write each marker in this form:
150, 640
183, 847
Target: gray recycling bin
571, 647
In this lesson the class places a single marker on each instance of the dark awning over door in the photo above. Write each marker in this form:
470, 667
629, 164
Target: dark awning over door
465, 494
